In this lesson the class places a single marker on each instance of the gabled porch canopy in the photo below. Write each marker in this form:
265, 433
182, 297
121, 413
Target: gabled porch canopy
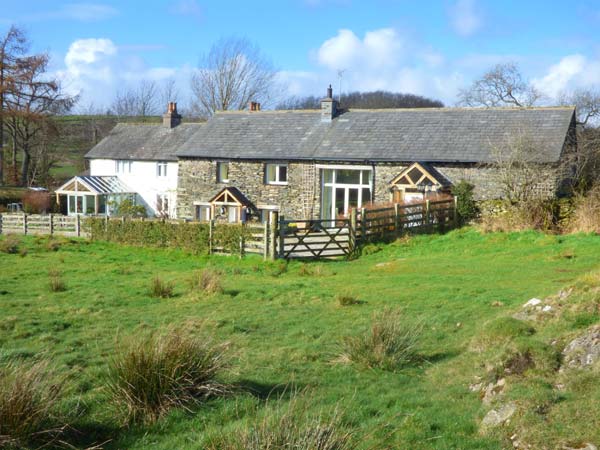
420, 175
231, 204
92, 194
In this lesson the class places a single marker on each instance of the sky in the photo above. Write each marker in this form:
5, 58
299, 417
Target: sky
430, 48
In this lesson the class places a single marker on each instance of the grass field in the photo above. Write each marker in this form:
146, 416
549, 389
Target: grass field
285, 328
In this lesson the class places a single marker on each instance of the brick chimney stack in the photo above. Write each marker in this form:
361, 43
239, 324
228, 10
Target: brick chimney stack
254, 106
328, 106
171, 118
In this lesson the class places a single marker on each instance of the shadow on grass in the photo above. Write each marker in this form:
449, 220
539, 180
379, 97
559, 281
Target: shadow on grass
436, 357
265, 391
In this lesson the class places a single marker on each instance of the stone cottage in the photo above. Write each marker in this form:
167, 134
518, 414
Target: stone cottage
321, 163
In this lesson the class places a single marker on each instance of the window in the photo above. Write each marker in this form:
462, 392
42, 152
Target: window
161, 169
276, 174
222, 172
123, 166
344, 189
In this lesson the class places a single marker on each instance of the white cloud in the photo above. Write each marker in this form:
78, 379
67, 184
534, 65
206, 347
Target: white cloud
570, 72
465, 18
96, 69
347, 51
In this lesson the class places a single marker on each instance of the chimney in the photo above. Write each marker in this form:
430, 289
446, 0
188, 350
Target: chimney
328, 106
171, 118
254, 106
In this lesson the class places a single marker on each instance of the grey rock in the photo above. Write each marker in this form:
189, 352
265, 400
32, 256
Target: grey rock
583, 351
499, 416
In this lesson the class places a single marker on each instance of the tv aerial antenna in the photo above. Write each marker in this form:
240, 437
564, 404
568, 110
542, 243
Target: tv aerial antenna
340, 74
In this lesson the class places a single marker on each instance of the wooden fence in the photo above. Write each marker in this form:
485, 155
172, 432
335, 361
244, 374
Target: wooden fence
280, 238
41, 224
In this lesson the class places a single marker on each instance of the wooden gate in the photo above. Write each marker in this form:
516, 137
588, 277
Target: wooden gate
315, 238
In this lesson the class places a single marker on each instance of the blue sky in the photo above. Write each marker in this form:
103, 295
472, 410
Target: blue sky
430, 48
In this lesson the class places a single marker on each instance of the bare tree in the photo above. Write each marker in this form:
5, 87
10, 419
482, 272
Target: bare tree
168, 92
34, 100
13, 46
516, 162
587, 103
140, 101
232, 74
502, 85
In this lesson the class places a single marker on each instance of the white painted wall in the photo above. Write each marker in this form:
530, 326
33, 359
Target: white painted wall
144, 180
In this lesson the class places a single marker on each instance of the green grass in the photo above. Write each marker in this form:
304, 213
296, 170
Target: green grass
285, 328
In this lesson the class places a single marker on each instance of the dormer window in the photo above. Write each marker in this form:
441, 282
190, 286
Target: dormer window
122, 166
161, 169
276, 174
222, 172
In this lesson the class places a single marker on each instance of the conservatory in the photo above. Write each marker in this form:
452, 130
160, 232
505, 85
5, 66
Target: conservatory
92, 195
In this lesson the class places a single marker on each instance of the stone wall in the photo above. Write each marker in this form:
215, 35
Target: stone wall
300, 198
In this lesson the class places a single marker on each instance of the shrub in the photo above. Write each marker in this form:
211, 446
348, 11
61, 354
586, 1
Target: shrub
160, 288
10, 244
37, 202
587, 212
390, 343
346, 300
28, 403
529, 215
128, 208
288, 426
207, 280
150, 376
465, 204
370, 249
56, 283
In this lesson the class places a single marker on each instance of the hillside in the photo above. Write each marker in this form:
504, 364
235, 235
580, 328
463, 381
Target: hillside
286, 329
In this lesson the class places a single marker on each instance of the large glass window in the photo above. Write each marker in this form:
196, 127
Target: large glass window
276, 174
344, 189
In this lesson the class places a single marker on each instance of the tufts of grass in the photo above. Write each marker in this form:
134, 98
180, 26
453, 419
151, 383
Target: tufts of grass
55, 281
346, 300
288, 425
207, 280
29, 399
160, 288
10, 244
390, 344
150, 376
500, 331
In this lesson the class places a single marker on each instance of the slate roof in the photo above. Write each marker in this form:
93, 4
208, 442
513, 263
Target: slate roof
428, 134
153, 142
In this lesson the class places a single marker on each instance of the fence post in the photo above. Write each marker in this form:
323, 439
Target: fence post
281, 230
211, 224
396, 218
363, 225
51, 224
242, 242
78, 225
105, 226
455, 211
24, 223
265, 241
274, 222
1, 219
352, 231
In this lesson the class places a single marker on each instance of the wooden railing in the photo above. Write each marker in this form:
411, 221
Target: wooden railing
280, 238
41, 224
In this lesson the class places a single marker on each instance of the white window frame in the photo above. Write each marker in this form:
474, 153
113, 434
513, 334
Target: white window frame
277, 167
219, 179
333, 184
161, 169
161, 199
122, 166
